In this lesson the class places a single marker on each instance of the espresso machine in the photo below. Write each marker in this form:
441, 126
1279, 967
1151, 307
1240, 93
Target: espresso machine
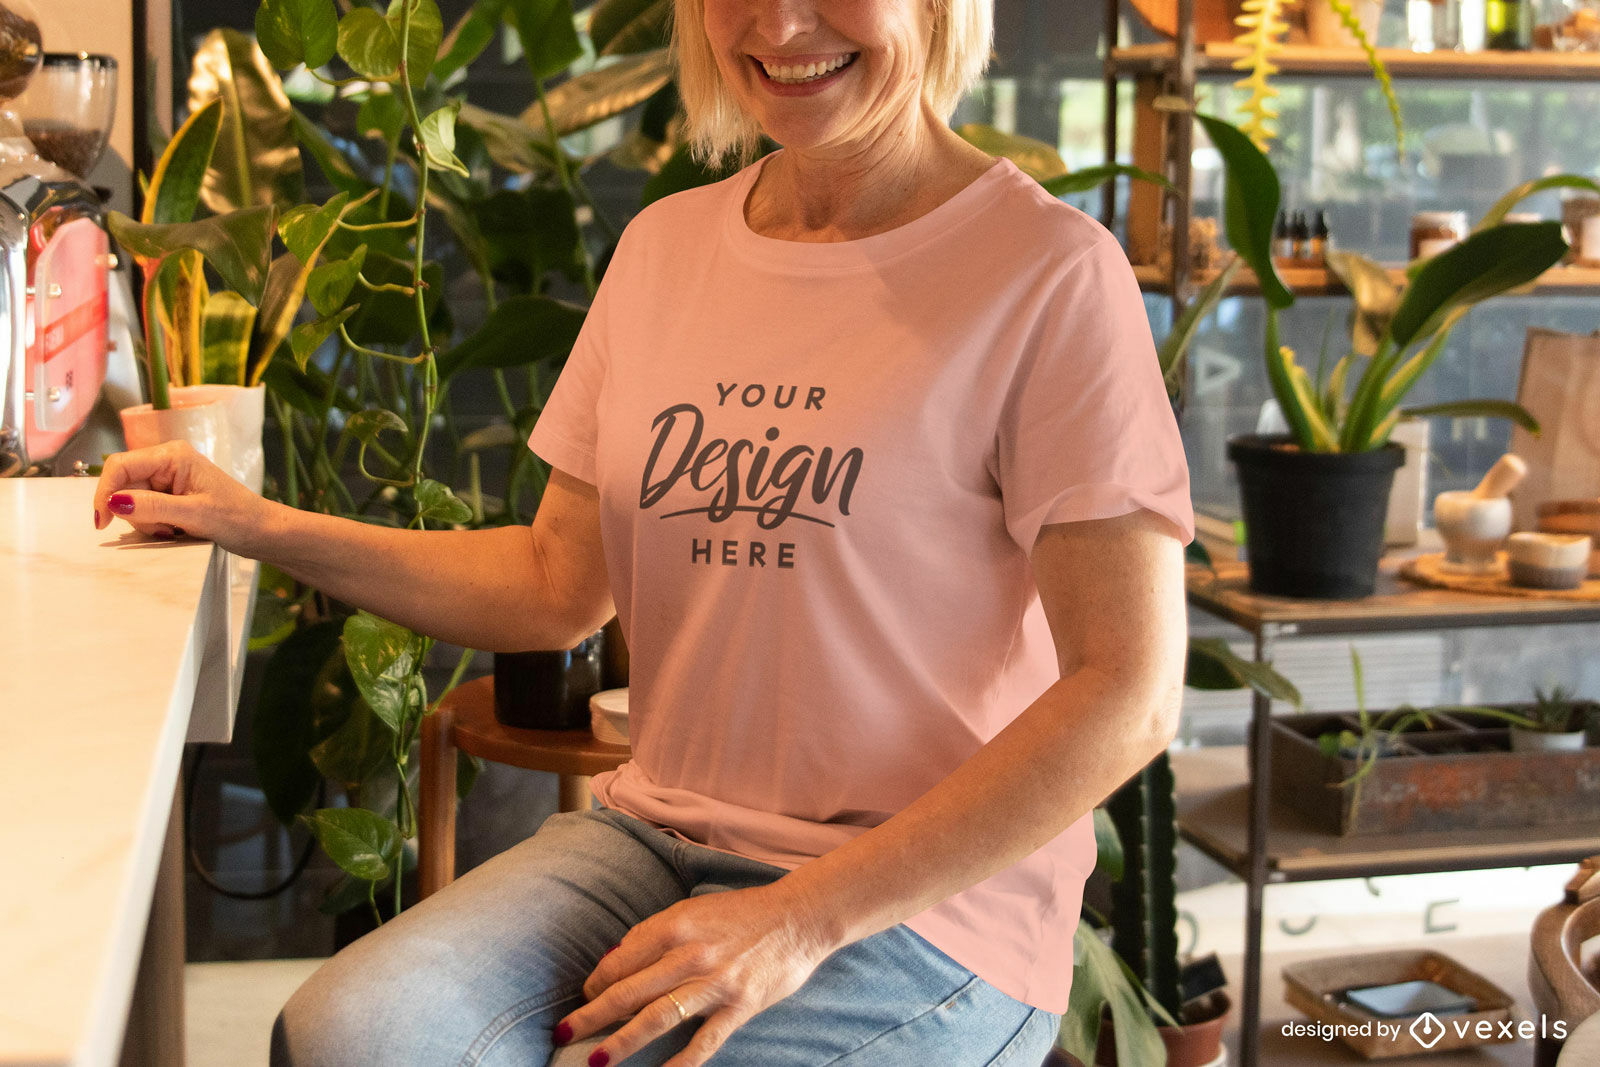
56, 267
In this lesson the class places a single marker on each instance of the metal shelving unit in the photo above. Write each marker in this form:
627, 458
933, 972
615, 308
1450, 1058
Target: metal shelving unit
1224, 805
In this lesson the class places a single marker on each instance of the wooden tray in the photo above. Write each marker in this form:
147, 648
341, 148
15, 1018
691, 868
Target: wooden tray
1427, 570
1312, 985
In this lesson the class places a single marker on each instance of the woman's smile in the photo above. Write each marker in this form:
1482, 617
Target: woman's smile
807, 73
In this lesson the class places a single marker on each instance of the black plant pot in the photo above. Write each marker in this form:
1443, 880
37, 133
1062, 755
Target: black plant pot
1313, 520
547, 690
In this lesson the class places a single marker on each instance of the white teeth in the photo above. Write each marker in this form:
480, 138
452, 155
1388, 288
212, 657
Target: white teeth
806, 72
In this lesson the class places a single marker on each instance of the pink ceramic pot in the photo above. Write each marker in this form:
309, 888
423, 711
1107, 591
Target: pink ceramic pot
222, 422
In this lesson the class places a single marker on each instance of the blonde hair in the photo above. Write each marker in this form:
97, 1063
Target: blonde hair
720, 131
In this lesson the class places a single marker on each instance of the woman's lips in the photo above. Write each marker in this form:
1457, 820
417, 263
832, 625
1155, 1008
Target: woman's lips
809, 85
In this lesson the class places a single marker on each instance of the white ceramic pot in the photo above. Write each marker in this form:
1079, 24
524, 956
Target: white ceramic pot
1538, 741
196, 415
223, 422
1325, 30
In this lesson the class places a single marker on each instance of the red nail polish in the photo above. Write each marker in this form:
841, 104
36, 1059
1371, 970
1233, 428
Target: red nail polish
121, 503
608, 951
599, 1058
562, 1034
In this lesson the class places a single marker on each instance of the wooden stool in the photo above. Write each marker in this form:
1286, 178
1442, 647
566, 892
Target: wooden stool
466, 721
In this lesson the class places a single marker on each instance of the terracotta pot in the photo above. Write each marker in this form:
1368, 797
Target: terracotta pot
1195, 1044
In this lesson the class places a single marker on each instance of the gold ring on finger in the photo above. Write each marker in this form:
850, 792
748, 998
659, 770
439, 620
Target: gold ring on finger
682, 1012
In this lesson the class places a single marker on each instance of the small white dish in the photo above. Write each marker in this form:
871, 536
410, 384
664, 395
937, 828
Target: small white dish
608, 716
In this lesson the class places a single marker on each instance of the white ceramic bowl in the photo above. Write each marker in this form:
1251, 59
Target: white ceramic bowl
608, 716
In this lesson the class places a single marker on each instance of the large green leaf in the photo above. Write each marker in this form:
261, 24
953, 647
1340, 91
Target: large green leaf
236, 244
1090, 178
424, 36
383, 658
1493, 409
292, 32
1099, 978
1486, 264
521, 330
596, 95
469, 37
1037, 159
300, 703
1250, 205
381, 113
363, 843
225, 326
548, 33
256, 160
368, 43
305, 227
174, 190
1503, 206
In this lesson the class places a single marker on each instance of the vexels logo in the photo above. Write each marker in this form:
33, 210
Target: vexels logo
1427, 1029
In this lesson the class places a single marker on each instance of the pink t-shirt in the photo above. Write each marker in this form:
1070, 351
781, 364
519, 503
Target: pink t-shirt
821, 469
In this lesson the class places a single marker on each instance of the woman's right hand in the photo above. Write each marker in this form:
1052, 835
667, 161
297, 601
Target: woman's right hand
171, 490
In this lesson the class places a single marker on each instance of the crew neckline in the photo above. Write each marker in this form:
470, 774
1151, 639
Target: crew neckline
862, 251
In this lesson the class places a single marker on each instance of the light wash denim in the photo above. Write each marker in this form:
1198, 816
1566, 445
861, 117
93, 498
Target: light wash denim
480, 972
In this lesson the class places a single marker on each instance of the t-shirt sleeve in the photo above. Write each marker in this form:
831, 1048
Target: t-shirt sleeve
1087, 431
566, 433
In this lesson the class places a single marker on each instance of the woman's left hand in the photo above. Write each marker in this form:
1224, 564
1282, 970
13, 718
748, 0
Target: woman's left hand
724, 957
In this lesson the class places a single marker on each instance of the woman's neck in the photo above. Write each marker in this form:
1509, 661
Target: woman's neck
843, 195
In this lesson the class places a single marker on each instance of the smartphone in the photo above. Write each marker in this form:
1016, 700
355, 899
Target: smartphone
1403, 1000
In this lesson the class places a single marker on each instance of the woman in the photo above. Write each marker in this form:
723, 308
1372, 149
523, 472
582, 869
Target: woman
867, 447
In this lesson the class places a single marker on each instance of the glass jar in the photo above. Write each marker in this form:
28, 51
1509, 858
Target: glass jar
1568, 26
1434, 231
1433, 25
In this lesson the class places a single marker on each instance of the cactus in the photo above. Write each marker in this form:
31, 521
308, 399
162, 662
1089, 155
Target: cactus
1144, 902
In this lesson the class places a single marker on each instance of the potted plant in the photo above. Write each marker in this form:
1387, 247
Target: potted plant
1314, 499
1560, 722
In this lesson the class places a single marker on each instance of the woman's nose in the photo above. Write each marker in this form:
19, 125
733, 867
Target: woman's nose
781, 21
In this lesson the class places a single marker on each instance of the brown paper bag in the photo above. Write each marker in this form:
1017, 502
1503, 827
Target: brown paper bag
1560, 386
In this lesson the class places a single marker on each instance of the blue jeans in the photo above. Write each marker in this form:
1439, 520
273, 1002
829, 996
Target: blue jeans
481, 971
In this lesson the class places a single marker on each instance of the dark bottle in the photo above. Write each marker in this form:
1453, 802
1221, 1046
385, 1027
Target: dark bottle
1508, 25
1319, 240
1300, 234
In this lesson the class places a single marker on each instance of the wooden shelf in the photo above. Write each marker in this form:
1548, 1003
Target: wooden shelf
1314, 281
1213, 814
1218, 59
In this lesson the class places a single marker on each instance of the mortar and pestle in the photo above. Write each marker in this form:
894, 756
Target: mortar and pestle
1475, 523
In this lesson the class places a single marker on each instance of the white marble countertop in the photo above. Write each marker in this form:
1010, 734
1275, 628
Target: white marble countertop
110, 644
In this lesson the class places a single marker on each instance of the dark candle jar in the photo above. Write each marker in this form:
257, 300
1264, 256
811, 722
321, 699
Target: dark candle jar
548, 690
